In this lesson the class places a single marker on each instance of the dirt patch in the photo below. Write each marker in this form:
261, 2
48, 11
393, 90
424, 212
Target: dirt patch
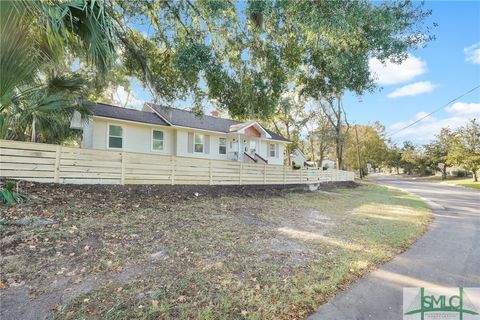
184, 252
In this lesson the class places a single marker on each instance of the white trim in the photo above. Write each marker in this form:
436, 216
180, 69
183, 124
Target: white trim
274, 150
108, 136
151, 141
225, 138
203, 143
258, 127
130, 121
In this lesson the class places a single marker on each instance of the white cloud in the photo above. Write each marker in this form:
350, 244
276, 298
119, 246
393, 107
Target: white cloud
472, 53
393, 73
458, 115
123, 98
413, 89
464, 108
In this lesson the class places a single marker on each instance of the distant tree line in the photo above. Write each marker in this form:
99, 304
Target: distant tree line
368, 145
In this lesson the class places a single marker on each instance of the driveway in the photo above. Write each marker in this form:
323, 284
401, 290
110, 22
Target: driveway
447, 255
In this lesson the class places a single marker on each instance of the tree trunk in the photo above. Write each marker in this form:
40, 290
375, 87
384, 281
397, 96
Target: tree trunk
444, 173
334, 116
475, 178
33, 133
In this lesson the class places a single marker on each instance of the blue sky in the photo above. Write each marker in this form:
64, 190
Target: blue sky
446, 68
432, 76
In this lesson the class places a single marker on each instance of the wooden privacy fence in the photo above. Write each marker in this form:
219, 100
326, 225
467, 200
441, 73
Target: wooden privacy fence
53, 163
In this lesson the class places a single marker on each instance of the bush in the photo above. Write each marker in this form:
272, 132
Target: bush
8, 196
461, 173
296, 166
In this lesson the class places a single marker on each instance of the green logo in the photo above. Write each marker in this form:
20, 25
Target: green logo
446, 304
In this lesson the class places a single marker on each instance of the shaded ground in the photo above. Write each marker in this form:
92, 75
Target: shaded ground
194, 252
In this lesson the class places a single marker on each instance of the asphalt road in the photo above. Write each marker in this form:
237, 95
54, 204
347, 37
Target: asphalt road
448, 255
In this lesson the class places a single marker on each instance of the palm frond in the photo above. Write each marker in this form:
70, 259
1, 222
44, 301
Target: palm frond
18, 64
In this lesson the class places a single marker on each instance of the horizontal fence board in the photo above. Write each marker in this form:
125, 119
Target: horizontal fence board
27, 153
87, 163
51, 163
89, 181
25, 173
27, 145
89, 169
12, 159
27, 166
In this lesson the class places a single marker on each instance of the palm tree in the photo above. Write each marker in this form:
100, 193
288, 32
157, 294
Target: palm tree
38, 93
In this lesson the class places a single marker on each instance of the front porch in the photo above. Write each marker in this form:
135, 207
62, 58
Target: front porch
250, 143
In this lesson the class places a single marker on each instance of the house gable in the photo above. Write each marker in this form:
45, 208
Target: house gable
251, 131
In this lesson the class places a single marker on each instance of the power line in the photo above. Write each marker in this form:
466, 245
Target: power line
436, 110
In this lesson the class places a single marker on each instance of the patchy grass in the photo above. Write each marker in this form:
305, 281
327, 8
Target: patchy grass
258, 255
465, 182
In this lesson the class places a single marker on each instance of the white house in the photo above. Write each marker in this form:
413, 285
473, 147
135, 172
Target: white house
171, 131
298, 157
330, 164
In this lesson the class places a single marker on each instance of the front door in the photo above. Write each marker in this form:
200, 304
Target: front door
250, 146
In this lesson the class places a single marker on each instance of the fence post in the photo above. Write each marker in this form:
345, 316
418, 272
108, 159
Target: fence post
264, 173
210, 171
56, 169
122, 177
172, 173
240, 174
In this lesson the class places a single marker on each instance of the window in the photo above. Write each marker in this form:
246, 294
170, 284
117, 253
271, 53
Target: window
222, 146
115, 137
199, 142
271, 150
157, 140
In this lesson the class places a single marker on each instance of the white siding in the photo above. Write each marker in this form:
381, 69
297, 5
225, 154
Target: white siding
87, 135
276, 160
137, 137
182, 144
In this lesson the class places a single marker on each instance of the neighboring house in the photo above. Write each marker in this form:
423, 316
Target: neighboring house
298, 157
170, 131
330, 164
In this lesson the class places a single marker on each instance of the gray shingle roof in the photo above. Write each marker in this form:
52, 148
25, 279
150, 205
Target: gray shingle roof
176, 117
185, 118
114, 112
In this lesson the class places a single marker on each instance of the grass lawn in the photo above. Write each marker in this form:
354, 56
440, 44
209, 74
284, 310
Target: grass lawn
466, 182
136, 252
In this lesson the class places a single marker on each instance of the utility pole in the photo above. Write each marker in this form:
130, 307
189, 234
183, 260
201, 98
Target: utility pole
358, 154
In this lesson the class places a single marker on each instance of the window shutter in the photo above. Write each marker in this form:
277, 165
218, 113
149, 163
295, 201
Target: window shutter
190, 142
207, 144
277, 151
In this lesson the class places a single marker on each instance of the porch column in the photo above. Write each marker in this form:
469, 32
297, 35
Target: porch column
238, 147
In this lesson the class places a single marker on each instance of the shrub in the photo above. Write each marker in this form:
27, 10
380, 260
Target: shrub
296, 166
461, 173
9, 196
